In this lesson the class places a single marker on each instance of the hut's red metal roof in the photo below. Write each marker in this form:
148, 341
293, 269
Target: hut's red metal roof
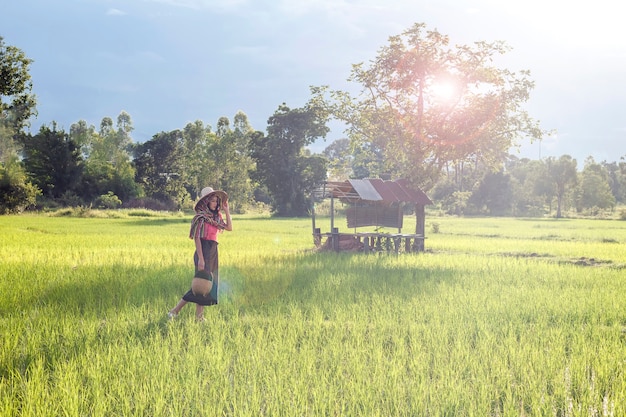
375, 190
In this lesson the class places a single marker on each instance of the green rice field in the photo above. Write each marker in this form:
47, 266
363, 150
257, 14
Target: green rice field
498, 317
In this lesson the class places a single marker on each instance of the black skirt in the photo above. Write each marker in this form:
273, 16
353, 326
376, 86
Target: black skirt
211, 264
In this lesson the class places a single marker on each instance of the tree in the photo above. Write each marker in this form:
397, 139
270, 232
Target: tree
564, 178
235, 161
617, 179
83, 136
595, 191
340, 159
108, 166
531, 186
113, 145
281, 164
494, 194
16, 193
159, 163
219, 159
197, 161
17, 103
53, 161
425, 104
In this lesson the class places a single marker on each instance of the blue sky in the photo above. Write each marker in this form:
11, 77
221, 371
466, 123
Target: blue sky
170, 62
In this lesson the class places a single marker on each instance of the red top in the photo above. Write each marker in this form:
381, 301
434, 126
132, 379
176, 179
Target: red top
210, 231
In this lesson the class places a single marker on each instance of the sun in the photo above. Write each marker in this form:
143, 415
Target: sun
443, 91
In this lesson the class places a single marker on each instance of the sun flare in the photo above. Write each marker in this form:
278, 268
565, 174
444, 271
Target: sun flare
443, 91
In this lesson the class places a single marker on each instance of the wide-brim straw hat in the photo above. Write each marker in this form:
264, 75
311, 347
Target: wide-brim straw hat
208, 192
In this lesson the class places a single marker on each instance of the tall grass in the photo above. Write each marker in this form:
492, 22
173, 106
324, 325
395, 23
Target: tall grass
499, 317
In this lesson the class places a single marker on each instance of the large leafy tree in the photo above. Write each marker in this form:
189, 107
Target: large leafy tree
282, 165
234, 163
564, 178
617, 179
424, 104
53, 161
340, 160
531, 186
17, 103
159, 164
595, 188
219, 159
197, 166
113, 144
16, 192
108, 166
494, 194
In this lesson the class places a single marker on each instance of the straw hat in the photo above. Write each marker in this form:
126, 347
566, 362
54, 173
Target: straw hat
208, 192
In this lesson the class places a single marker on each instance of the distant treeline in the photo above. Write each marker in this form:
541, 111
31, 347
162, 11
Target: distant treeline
104, 169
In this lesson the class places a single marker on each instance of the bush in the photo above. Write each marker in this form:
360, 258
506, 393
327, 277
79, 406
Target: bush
108, 201
70, 199
16, 198
16, 193
150, 204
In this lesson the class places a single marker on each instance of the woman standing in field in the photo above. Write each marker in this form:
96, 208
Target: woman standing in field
205, 226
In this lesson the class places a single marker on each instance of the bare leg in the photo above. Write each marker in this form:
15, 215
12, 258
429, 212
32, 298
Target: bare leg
179, 306
199, 312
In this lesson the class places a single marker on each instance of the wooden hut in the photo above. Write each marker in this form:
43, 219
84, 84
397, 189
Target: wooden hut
373, 202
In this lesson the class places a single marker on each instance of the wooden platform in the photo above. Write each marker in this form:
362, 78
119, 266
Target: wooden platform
371, 242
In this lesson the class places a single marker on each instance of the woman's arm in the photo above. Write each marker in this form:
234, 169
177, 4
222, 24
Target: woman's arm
229, 222
200, 254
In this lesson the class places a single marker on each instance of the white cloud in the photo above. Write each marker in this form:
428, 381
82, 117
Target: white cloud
115, 12
215, 5
569, 23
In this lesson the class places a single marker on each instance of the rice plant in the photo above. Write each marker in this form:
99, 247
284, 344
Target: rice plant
499, 317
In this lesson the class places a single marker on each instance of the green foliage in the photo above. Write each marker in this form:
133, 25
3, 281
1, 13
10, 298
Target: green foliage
107, 163
70, 199
456, 203
563, 174
17, 103
281, 164
88, 212
493, 195
149, 203
52, 161
199, 164
616, 176
108, 201
159, 165
16, 193
499, 317
401, 113
233, 163
595, 191
340, 159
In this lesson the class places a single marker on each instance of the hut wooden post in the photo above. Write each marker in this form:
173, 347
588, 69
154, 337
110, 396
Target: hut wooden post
332, 212
400, 214
333, 231
317, 233
420, 226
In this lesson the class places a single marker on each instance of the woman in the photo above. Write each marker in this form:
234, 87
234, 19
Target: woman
205, 226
